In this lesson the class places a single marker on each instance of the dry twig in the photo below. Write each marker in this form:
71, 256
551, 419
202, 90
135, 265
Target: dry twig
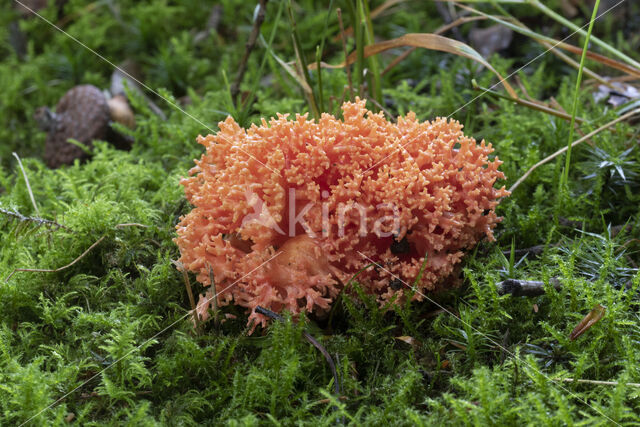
26, 180
55, 270
382, 108
40, 221
313, 341
255, 32
594, 382
525, 288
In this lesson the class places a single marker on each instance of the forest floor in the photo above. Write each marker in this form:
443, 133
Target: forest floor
105, 336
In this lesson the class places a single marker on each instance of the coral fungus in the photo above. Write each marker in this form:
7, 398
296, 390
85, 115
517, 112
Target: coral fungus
286, 212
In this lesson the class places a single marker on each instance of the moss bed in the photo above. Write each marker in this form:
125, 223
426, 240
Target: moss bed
108, 341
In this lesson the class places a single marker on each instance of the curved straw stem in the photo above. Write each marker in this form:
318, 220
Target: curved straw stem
576, 142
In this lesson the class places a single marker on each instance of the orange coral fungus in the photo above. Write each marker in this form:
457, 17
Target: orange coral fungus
285, 213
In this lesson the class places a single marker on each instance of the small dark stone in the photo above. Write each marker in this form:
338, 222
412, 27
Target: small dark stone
401, 247
396, 284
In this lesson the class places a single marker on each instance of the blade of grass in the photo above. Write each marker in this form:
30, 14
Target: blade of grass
529, 104
562, 20
231, 106
398, 59
374, 14
426, 41
629, 106
300, 80
522, 29
576, 142
374, 75
26, 181
319, 71
565, 175
360, 46
346, 54
550, 47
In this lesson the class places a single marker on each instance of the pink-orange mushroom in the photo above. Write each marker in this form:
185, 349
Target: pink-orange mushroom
285, 213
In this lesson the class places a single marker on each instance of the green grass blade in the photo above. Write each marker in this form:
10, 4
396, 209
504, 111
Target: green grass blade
565, 175
376, 86
559, 18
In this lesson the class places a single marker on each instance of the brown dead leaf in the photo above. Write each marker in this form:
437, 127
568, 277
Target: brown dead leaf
409, 340
457, 345
588, 321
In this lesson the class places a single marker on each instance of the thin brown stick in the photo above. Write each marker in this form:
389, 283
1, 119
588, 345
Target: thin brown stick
537, 105
187, 285
26, 180
576, 142
313, 341
619, 79
40, 221
255, 32
381, 107
344, 48
131, 224
525, 92
212, 284
525, 288
55, 270
398, 59
594, 382
325, 401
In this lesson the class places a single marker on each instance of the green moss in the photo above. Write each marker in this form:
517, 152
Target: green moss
109, 338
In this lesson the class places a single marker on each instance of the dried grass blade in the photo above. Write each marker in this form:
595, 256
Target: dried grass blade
374, 14
55, 270
534, 105
519, 28
300, 80
439, 31
426, 41
576, 142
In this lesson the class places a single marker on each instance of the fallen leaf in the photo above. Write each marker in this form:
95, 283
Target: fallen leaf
409, 340
588, 321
